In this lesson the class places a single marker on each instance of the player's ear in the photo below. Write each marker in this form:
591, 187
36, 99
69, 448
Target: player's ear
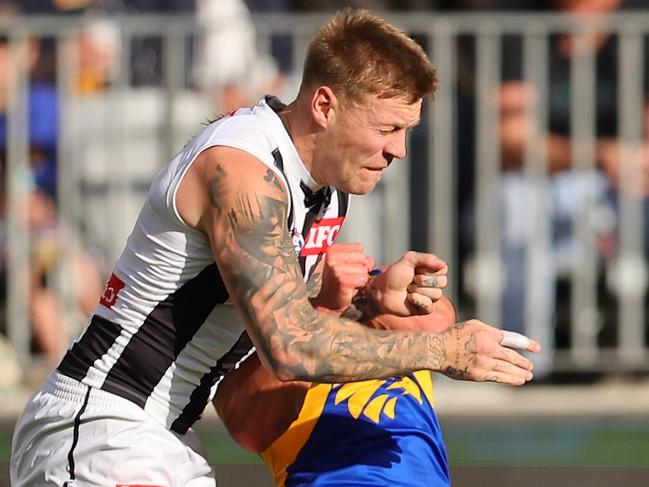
323, 105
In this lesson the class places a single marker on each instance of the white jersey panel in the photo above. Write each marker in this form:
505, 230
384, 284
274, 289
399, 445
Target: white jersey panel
161, 335
173, 392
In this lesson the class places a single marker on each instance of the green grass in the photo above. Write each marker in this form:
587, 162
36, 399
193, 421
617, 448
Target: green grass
551, 445
5, 446
221, 449
547, 444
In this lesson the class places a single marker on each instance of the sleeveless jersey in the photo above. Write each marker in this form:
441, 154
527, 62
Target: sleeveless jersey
371, 433
163, 334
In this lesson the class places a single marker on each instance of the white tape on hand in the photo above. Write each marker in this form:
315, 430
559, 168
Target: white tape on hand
512, 339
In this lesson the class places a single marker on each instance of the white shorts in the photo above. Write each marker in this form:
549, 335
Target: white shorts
73, 435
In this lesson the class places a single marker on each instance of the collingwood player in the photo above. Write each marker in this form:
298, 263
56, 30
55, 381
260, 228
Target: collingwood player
215, 268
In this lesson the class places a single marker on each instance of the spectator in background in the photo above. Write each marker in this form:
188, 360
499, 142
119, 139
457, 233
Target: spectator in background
307, 5
569, 190
43, 131
42, 112
55, 6
42, 217
146, 51
97, 47
228, 66
269, 5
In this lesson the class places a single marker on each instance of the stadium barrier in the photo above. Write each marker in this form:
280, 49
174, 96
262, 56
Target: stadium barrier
112, 142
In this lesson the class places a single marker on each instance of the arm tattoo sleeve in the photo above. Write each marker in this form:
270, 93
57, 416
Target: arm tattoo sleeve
362, 309
257, 259
314, 284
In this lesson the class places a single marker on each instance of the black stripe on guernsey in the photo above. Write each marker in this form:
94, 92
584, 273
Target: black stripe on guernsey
92, 345
75, 435
316, 202
279, 163
343, 203
278, 160
163, 335
199, 397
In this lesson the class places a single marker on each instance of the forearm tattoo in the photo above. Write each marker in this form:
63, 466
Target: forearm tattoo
314, 284
362, 309
257, 259
454, 370
466, 351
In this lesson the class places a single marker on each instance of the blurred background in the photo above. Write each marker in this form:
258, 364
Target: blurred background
529, 175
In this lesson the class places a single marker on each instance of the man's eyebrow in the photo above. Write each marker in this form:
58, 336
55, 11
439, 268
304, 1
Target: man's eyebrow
409, 125
400, 125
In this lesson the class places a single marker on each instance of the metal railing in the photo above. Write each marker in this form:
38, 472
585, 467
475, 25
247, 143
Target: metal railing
112, 144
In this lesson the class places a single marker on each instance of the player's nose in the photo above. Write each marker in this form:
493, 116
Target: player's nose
396, 147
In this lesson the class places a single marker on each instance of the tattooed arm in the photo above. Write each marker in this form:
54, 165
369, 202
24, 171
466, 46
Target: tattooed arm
255, 407
241, 206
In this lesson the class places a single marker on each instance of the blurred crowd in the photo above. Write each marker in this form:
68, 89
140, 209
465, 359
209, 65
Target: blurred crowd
227, 66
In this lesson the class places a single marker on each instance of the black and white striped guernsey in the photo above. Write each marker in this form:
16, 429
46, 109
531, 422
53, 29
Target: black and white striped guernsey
163, 333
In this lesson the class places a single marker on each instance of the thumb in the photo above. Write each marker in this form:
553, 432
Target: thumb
423, 262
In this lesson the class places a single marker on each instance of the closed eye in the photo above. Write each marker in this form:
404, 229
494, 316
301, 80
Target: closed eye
389, 131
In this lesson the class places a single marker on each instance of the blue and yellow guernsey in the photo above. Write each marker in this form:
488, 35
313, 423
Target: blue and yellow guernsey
371, 433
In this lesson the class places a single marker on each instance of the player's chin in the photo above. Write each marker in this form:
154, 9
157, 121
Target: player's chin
363, 186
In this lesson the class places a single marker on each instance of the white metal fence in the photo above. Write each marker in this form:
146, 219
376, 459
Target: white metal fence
112, 143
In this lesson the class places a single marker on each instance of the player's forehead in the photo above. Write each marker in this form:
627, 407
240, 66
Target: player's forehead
396, 111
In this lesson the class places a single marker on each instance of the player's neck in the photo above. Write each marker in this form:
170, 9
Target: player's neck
301, 131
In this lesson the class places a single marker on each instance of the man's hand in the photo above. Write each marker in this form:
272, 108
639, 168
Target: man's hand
478, 352
439, 319
345, 271
410, 286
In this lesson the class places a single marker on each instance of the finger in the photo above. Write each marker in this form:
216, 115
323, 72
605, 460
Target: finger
534, 346
512, 339
355, 280
508, 369
504, 378
347, 258
430, 281
515, 358
432, 293
345, 251
339, 268
428, 262
422, 270
421, 303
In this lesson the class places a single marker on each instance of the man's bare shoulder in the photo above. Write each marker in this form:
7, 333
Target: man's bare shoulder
219, 176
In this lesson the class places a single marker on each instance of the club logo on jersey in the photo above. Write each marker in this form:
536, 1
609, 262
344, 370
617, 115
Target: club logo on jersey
298, 241
376, 398
113, 287
321, 236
